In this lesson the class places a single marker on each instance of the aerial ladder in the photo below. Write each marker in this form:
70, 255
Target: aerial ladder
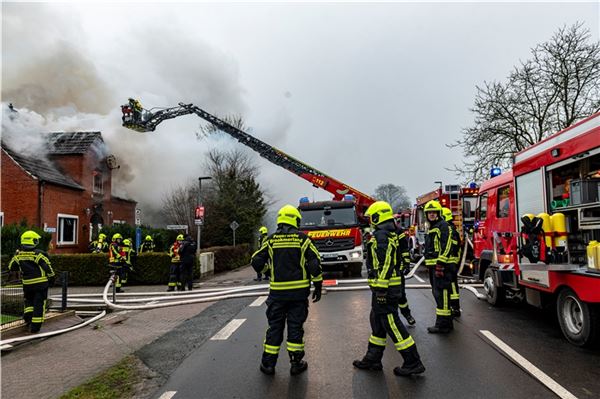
141, 120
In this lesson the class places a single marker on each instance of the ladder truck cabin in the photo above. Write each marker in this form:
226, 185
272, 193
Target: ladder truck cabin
334, 226
537, 232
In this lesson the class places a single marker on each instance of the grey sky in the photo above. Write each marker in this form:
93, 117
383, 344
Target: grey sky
368, 93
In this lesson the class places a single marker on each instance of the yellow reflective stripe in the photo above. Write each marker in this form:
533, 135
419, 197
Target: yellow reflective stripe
378, 284
272, 261
36, 280
407, 343
28, 309
273, 350
260, 249
430, 262
289, 285
395, 330
403, 305
455, 294
445, 296
286, 245
303, 258
292, 347
446, 252
388, 259
318, 278
394, 281
377, 340
374, 253
37, 319
442, 312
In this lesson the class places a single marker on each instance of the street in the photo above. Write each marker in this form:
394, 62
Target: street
463, 364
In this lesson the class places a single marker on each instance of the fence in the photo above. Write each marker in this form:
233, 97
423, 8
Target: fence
12, 299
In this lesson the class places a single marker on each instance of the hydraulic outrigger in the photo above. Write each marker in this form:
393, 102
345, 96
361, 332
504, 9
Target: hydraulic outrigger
147, 121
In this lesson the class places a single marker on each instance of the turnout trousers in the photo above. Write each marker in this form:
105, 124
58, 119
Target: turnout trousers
35, 305
454, 292
186, 275
385, 321
175, 276
403, 301
441, 293
278, 313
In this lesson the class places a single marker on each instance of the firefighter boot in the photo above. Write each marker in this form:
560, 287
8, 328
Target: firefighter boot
372, 360
455, 307
412, 363
298, 365
443, 325
409, 319
267, 365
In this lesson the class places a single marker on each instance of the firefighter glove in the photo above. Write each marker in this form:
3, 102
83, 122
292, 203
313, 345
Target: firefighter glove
439, 271
316, 296
381, 297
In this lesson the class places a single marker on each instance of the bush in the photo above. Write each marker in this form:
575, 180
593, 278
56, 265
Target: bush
229, 257
11, 237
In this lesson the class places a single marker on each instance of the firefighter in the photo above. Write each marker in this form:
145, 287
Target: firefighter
403, 256
454, 261
175, 269
137, 108
264, 233
130, 259
187, 255
116, 259
438, 246
99, 245
294, 262
384, 276
147, 245
36, 276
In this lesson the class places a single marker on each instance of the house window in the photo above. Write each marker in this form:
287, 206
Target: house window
67, 229
119, 222
1, 219
97, 188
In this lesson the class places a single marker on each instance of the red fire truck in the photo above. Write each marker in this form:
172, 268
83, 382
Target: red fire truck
334, 226
536, 229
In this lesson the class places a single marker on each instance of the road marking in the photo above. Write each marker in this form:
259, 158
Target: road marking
525, 364
229, 329
419, 278
259, 301
167, 395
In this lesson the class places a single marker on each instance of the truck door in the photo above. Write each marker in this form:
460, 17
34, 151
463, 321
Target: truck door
481, 234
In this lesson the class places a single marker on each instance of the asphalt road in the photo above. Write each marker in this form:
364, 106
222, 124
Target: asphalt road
463, 364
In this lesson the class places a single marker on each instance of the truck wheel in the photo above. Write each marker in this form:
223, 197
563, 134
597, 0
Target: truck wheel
579, 321
494, 294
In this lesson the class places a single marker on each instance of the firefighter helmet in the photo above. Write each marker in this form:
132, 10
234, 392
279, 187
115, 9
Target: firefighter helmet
148, 238
117, 236
447, 213
101, 237
127, 242
30, 237
379, 212
288, 214
263, 230
180, 237
433, 206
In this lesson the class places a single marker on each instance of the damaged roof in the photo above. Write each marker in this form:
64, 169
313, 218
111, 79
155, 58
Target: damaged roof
72, 142
41, 168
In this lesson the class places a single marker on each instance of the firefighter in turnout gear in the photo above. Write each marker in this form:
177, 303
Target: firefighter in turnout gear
264, 233
438, 248
454, 260
175, 269
147, 245
130, 259
36, 276
100, 245
116, 259
384, 277
187, 255
294, 262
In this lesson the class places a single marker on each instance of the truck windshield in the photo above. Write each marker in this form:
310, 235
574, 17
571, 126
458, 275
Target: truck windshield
328, 217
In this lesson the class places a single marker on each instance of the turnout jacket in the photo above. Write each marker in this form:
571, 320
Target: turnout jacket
455, 251
294, 263
403, 249
438, 243
174, 253
34, 265
385, 260
147, 246
187, 251
116, 256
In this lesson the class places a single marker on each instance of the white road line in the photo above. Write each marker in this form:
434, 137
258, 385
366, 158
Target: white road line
259, 301
419, 278
229, 329
167, 395
554, 386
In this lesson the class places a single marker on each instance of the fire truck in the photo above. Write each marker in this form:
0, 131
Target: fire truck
537, 229
334, 226
460, 200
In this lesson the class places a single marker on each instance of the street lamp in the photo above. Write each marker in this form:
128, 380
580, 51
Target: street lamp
200, 204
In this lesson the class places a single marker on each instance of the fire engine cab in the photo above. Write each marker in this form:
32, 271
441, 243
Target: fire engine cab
538, 226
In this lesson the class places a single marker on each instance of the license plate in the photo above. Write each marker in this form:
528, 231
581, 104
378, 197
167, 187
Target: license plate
329, 256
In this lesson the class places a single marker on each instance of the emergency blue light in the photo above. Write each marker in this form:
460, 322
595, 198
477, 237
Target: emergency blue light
472, 185
348, 197
495, 172
304, 200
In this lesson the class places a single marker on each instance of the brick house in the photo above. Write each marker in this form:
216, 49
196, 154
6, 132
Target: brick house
67, 191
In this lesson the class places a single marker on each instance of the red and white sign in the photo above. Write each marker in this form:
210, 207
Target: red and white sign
199, 212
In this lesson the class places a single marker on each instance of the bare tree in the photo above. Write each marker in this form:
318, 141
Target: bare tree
394, 195
559, 85
179, 203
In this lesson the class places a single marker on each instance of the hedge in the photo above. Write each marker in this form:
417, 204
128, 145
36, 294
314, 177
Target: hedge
11, 237
150, 268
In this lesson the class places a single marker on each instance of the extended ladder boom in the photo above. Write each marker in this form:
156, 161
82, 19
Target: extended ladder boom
149, 120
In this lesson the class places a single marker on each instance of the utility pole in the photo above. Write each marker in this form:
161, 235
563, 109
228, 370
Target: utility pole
200, 212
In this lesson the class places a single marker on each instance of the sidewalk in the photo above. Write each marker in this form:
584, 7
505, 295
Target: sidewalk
49, 367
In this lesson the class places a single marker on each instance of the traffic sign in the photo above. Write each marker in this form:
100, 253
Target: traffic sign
199, 212
234, 225
177, 227
50, 229
199, 222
